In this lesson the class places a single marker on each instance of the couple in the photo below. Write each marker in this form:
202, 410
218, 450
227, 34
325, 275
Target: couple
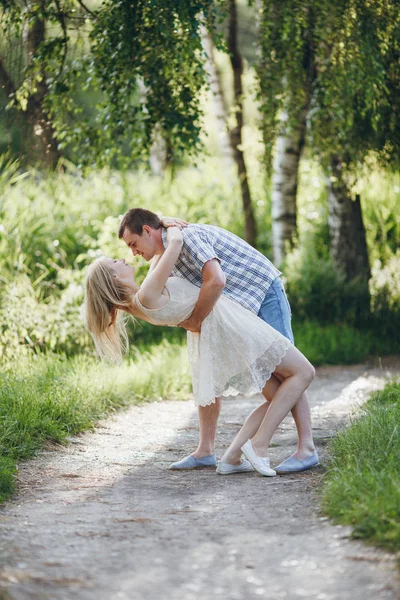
220, 285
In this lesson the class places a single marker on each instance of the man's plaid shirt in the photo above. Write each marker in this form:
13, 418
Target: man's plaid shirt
248, 272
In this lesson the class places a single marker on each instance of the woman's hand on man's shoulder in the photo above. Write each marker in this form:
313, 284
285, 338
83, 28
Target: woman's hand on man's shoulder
169, 222
174, 235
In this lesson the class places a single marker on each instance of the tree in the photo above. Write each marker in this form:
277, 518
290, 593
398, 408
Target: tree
219, 102
158, 44
286, 72
236, 131
28, 88
354, 100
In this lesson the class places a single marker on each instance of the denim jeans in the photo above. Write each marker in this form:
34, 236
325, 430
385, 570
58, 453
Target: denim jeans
275, 310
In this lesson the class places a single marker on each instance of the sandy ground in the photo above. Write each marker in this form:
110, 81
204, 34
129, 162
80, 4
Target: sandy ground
104, 519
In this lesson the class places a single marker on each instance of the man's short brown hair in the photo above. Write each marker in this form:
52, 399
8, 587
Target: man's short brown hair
134, 220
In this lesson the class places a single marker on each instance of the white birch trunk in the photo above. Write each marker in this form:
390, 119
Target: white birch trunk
284, 187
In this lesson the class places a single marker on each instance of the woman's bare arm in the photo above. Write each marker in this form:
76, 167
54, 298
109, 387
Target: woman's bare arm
153, 285
154, 263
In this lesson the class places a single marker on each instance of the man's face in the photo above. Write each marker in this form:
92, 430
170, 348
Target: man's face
143, 245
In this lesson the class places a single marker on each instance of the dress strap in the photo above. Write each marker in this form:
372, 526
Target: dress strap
138, 303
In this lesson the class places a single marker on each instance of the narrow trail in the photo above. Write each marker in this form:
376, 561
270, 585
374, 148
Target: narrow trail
104, 519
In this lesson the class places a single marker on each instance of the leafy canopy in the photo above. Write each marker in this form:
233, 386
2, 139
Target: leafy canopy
341, 60
144, 57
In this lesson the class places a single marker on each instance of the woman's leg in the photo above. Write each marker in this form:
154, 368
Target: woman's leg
302, 418
298, 373
251, 425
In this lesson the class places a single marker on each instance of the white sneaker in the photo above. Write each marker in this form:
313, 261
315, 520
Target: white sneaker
224, 468
260, 464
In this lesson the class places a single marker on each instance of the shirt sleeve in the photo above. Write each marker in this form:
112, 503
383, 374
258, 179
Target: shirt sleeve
199, 247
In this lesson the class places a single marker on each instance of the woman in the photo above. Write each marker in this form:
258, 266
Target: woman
236, 352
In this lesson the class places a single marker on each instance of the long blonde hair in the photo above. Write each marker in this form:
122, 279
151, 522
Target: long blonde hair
105, 322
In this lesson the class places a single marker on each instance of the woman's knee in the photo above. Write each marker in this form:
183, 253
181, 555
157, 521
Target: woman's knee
309, 373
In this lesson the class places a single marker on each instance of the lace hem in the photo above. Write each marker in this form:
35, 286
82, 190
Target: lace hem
254, 378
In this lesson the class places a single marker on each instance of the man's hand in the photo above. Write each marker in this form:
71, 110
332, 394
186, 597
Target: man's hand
191, 325
173, 222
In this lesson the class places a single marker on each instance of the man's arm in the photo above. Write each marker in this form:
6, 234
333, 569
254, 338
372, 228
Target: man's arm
213, 284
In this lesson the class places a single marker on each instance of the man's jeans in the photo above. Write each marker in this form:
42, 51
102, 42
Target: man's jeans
275, 310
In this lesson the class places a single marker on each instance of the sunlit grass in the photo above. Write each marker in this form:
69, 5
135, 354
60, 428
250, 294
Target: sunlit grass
362, 487
50, 397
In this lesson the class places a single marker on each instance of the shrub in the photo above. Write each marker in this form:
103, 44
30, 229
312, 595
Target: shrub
317, 290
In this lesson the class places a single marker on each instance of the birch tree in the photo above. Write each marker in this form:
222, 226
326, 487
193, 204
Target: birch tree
354, 105
286, 39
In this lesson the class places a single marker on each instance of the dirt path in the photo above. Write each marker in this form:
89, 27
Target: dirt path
103, 519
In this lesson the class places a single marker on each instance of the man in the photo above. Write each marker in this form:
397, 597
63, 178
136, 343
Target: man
218, 261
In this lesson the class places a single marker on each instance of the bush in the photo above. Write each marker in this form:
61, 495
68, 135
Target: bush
385, 296
340, 344
318, 291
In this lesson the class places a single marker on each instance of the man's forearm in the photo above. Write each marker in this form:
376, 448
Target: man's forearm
209, 294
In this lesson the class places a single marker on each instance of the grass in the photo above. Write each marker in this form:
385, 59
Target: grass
362, 487
339, 344
50, 398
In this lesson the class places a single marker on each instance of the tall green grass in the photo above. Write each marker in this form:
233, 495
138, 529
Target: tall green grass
49, 398
362, 486
340, 344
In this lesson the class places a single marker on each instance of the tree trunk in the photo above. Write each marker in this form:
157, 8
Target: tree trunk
347, 232
236, 132
158, 152
288, 150
219, 104
42, 145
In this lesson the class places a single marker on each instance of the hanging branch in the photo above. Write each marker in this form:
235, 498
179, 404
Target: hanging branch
61, 19
236, 132
86, 9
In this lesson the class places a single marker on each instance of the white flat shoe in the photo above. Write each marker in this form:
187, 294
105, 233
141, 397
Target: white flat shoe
260, 464
224, 468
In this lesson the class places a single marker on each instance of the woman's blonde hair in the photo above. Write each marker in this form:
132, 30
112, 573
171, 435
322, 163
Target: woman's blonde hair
106, 324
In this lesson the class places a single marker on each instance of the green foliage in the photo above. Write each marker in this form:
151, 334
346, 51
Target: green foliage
385, 296
51, 398
158, 44
362, 486
341, 343
317, 290
286, 64
380, 198
51, 229
142, 61
339, 62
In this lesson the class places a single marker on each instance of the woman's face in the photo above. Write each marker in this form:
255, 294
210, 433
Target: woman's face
124, 273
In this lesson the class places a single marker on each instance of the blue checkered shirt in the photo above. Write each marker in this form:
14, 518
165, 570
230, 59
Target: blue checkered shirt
248, 272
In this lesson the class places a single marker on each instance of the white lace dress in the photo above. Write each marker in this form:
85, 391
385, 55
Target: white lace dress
236, 352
